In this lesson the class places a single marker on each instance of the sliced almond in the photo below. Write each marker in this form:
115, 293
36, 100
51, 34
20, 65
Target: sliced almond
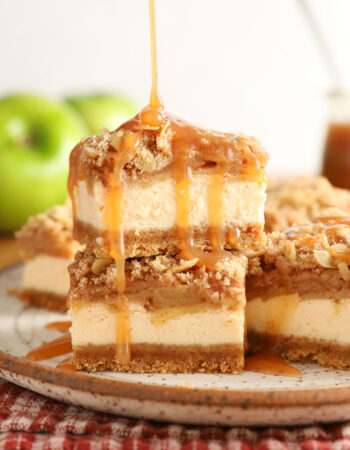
184, 265
324, 259
100, 264
344, 271
290, 251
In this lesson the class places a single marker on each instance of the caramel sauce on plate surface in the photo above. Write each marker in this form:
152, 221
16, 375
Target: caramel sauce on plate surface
57, 347
67, 364
271, 364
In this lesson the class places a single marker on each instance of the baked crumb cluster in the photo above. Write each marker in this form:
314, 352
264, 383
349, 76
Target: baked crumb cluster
153, 155
301, 199
155, 152
48, 233
324, 243
97, 276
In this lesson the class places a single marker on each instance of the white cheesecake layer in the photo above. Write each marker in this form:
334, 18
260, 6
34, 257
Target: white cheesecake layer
150, 203
289, 315
47, 274
95, 324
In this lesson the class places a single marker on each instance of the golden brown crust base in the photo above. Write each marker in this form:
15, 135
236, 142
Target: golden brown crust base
49, 233
41, 299
149, 358
303, 349
161, 242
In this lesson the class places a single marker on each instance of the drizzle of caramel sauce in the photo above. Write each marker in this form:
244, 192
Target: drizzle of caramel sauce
155, 101
269, 363
59, 326
67, 364
57, 347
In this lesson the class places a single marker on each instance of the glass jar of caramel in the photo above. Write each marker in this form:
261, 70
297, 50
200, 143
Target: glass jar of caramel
336, 158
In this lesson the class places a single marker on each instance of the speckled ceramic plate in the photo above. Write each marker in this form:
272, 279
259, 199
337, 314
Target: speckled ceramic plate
319, 395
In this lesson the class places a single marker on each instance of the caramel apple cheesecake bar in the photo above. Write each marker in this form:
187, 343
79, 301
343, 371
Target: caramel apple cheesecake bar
175, 316
150, 218
161, 207
298, 293
47, 246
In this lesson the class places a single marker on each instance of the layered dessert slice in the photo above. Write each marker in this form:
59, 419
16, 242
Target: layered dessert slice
174, 315
298, 293
293, 201
47, 246
172, 182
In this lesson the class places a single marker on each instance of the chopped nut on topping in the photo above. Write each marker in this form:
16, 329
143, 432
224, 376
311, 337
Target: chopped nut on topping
164, 128
290, 251
324, 259
344, 271
100, 264
184, 265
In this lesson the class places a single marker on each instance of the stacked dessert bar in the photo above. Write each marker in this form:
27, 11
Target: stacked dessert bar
298, 293
165, 217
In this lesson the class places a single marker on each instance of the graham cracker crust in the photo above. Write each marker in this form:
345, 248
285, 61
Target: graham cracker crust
161, 242
41, 299
157, 358
302, 349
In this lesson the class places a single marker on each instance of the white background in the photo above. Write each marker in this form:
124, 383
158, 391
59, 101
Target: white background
234, 65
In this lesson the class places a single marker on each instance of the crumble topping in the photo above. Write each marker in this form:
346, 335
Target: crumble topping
48, 233
297, 200
153, 154
322, 244
90, 272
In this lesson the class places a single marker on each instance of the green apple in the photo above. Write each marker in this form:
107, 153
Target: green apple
36, 137
99, 111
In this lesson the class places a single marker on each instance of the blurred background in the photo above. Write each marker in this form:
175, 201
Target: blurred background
234, 65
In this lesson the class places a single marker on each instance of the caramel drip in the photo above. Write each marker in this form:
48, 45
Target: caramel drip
57, 347
67, 364
114, 213
123, 341
59, 326
271, 364
114, 216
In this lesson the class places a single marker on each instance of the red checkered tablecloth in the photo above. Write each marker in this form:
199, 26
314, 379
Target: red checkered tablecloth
31, 421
